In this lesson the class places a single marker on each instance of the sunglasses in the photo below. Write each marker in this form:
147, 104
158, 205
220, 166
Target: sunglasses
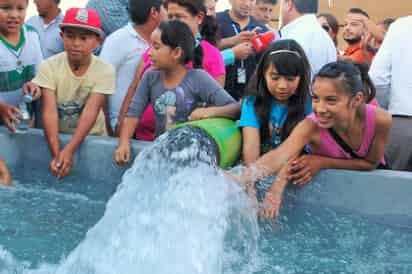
326, 27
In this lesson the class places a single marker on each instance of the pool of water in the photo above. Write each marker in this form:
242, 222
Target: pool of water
43, 220
174, 212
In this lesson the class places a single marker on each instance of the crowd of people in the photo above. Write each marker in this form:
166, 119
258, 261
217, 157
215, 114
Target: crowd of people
133, 69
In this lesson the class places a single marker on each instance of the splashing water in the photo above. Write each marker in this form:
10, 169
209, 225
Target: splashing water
174, 212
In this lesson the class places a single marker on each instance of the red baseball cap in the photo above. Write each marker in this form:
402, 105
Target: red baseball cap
83, 18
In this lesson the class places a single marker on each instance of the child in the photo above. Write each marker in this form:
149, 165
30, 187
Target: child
47, 26
339, 112
204, 29
20, 52
75, 85
281, 85
281, 88
174, 90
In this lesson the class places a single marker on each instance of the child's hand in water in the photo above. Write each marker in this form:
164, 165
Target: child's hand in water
271, 205
5, 177
61, 165
304, 168
122, 154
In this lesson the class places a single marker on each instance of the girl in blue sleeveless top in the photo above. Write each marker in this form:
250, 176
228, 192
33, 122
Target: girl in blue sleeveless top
278, 101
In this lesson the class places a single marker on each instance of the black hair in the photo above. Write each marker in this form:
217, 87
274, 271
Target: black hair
272, 2
57, 1
208, 29
351, 78
333, 24
286, 64
369, 87
139, 10
306, 6
387, 22
177, 34
358, 11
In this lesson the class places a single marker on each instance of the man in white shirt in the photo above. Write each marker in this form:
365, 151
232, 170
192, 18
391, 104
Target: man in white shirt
300, 23
390, 72
125, 47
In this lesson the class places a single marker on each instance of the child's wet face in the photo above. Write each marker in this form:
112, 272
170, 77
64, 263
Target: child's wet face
79, 43
330, 105
159, 53
281, 87
12, 15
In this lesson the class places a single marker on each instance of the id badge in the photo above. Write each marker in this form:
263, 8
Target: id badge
241, 75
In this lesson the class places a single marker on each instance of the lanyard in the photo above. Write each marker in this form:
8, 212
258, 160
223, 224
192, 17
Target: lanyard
242, 64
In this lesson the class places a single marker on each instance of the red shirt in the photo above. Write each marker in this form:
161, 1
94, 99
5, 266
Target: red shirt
358, 55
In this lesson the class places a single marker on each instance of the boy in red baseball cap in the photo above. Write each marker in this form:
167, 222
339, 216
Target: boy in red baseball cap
75, 85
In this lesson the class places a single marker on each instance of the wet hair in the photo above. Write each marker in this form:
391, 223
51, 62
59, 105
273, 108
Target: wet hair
272, 2
176, 34
139, 10
289, 59
306, 6
350, 78
333, 24
358, 11
208, 29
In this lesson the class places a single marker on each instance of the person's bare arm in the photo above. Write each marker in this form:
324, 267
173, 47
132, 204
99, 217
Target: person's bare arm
50, 120
231, 111
5, 177
88, 118
221, 80
250, 145
91, 110
122, 154
129, 96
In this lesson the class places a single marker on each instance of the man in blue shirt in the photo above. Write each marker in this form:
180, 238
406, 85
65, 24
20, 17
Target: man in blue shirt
114, 13
236, 26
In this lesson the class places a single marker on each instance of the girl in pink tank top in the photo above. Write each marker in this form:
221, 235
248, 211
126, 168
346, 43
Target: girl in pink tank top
342, 133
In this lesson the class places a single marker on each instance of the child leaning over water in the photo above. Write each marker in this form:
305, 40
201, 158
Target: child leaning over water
342, 133
75, 85
279, 102
178, 94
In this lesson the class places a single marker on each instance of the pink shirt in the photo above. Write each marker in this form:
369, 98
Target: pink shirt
329, 148
212, 60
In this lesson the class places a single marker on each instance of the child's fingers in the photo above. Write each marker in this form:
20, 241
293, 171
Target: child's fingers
305, 179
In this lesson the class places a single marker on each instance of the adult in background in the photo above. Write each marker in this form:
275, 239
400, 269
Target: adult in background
331, 25
237, 25
114, 13
300, 23
125, 47
47, 26
354, 32
390, 73
211, 7
263, 11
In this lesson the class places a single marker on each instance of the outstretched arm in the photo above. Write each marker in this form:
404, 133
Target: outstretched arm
129, 96
87, 120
